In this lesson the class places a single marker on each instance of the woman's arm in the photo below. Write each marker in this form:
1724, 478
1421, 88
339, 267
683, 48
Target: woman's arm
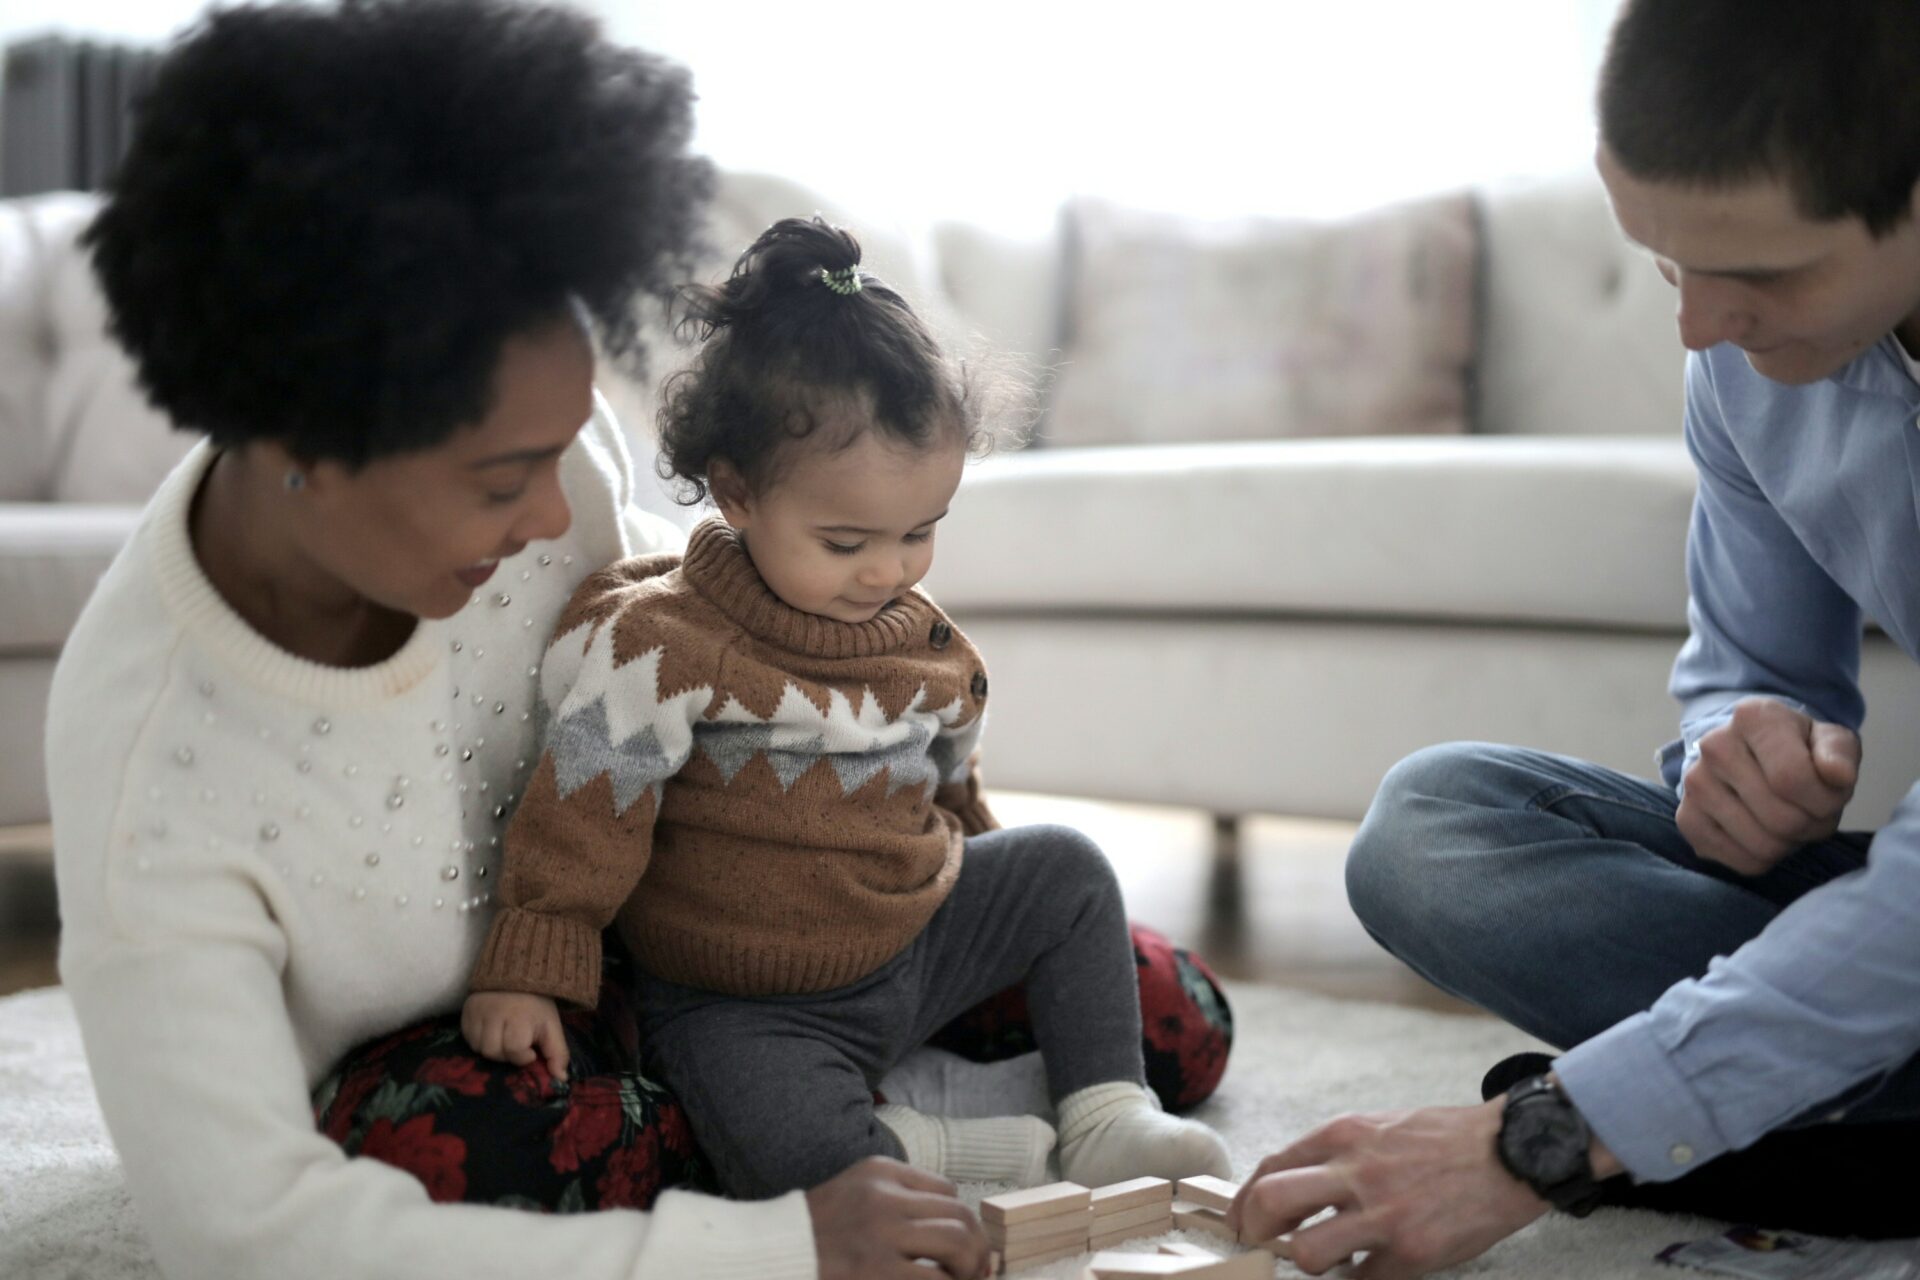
195, 1063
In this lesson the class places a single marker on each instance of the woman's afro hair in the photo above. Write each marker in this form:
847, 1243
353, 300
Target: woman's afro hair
331, 218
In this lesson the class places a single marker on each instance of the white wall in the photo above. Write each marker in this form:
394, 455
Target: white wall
144, 20
995, 110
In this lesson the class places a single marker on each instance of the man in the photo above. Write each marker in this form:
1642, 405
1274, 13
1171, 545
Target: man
1738, 980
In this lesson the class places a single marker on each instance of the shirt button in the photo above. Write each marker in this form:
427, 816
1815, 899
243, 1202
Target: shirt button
1681, 1153
979, 684
940, 636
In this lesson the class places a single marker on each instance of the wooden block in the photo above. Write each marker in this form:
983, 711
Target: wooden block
995, 1264
1196, 1218
1107, 1239
1209, 1192
1140, 1266
1036, 1202
1126, 1195
1023, 1235
1105, 1222
1181, 1249
1066, 1251
1255, 1264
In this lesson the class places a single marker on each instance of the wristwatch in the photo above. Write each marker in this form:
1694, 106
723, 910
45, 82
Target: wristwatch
1544, 1142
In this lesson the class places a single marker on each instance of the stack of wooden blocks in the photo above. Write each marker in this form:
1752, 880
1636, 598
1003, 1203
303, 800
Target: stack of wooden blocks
1039, 1224
1042, 1224
1129, 1210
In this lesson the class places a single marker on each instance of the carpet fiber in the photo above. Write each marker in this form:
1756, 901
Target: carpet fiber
1299, 1060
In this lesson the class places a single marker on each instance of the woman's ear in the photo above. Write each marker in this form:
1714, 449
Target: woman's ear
315, 479
730, 493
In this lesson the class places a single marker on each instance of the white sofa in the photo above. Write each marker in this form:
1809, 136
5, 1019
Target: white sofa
1269, 626
1259, 626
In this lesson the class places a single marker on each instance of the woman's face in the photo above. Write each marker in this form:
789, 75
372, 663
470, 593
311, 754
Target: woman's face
419, 532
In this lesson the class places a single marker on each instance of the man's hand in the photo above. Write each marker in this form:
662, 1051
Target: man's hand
1413, 1190
1767, 782
512, 1026
876, 1219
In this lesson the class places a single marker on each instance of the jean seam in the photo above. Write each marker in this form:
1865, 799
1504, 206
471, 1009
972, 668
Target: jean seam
1559, 792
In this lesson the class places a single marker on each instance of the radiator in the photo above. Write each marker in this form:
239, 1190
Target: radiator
66, 112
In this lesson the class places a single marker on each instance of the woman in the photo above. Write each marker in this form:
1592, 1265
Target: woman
364, 250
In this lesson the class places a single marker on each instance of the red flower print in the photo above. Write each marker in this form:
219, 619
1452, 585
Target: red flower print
670, 1123
531, 1084
462, 1075
632, 1178
353, 1091
435, 1159
592, 1122
1171, 1022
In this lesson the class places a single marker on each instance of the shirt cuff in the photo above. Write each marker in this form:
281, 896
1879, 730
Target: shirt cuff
1637, 1102
700, 1235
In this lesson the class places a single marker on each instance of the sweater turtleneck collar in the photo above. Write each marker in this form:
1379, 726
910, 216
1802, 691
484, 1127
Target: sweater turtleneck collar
718, 567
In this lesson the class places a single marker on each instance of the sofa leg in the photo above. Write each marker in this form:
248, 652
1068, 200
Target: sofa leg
1225, 902
30, 845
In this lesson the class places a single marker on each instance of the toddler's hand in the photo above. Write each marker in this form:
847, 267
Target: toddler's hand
514, 1026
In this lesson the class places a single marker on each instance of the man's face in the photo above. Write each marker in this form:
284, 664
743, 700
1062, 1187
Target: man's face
1801, 298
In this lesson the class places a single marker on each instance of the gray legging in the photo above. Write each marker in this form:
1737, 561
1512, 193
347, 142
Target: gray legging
779, 1089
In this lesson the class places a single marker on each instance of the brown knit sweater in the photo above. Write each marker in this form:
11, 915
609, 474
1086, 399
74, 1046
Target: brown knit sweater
794, 790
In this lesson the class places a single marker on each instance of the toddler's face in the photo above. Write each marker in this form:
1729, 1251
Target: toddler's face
844, 533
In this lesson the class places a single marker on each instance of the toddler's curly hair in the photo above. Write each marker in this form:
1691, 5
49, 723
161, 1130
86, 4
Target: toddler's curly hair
798, 337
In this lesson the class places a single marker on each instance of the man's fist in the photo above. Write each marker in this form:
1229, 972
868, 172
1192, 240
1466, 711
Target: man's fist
1767, 782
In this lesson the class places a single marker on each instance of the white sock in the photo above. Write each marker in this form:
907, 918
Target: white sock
1116, 1131
994, 1149
946, 1084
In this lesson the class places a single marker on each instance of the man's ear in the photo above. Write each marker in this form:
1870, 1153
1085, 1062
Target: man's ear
730, 493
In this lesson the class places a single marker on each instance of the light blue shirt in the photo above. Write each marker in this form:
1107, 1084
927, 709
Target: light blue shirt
1807, 518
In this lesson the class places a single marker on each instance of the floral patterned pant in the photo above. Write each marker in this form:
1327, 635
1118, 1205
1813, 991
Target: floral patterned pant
488, 1133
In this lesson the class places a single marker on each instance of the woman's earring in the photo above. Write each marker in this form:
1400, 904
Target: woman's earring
296, 480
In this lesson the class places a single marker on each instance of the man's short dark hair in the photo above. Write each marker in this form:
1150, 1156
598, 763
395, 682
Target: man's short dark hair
333, 216
1823, 94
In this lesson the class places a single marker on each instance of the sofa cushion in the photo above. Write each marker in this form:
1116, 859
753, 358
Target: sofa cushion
1505, 529
1577, 332
1176, 330
109, 443
51, 554
34, 233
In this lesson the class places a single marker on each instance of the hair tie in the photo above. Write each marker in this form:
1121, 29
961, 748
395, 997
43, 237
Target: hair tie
845, 281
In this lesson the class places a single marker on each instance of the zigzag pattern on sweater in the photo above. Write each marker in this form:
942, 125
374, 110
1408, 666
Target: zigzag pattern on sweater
615, 723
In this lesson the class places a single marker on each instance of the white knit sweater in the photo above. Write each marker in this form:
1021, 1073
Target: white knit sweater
263, 862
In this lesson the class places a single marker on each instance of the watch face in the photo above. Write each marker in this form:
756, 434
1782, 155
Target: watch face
1546, 1140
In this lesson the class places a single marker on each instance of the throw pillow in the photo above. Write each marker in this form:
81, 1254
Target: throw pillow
1179, 331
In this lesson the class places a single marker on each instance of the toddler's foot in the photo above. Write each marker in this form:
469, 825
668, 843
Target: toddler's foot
1112, 1132
995, 1149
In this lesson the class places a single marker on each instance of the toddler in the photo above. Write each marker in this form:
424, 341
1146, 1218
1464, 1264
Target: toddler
759, 766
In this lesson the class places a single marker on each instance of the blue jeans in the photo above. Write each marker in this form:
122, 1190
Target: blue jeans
1560, 895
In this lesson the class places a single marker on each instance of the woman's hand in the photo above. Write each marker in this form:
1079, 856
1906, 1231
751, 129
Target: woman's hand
514, 1026
880, 1217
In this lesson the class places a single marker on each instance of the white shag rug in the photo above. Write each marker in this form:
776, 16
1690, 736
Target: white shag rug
1298, 1060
